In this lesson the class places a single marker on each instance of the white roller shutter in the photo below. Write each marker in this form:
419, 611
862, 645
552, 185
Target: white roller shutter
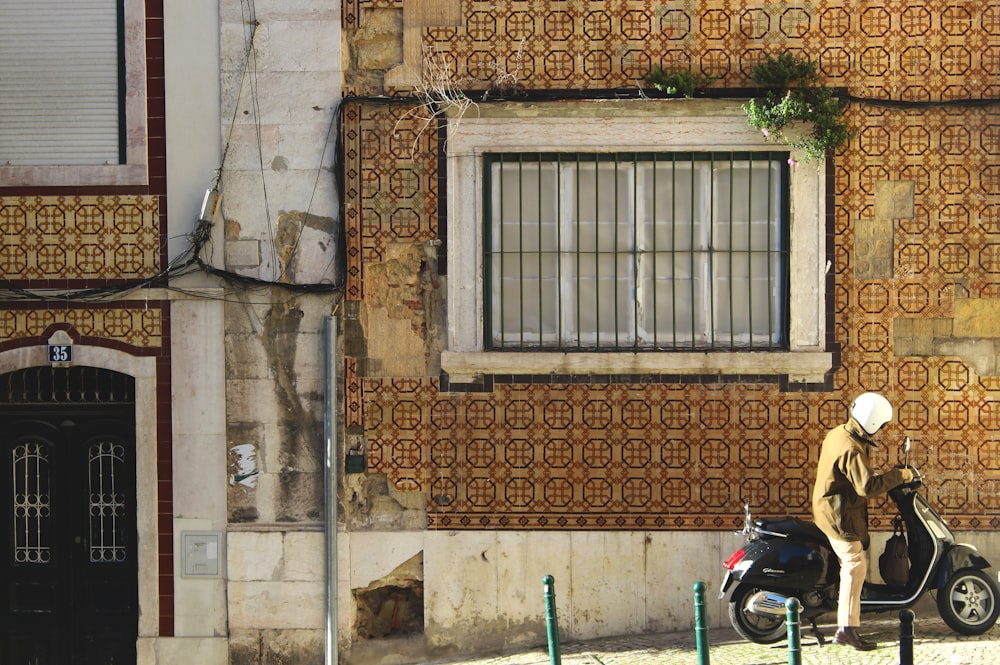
60, 67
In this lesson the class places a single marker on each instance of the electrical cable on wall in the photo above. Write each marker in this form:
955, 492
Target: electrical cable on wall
190, 260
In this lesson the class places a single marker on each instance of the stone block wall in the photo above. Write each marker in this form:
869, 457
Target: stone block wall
281, 84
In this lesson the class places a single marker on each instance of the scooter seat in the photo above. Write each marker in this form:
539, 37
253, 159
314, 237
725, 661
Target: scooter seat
791, 526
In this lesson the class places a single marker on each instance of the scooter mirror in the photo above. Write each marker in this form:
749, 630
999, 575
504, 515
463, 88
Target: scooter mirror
906, 452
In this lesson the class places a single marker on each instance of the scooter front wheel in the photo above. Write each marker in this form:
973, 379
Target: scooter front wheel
968, 602
754, 627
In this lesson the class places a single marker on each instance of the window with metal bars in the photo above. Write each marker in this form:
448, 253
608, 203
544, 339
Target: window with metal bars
636, 251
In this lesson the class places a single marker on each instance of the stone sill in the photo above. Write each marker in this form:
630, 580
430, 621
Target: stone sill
798, 366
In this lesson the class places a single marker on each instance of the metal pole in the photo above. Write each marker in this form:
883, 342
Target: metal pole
700, 623
794, 634
330, 470
551, 623
905, 637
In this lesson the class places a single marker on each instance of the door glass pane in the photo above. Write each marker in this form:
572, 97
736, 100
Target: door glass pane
31, 503
107, 502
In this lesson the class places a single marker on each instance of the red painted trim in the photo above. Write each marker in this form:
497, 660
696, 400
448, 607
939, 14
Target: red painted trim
165, 480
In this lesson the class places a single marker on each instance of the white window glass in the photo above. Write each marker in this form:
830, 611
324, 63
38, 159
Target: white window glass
637, 251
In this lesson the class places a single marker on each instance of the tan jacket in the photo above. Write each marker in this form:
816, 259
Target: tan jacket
844, 481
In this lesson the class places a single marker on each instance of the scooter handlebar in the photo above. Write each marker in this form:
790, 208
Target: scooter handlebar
917, 480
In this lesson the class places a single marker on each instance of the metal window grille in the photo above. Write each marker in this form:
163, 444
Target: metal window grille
636, 251
31, 523
106, 461
79, 384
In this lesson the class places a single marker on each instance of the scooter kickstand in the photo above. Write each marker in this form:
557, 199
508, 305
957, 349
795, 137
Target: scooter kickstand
820, 638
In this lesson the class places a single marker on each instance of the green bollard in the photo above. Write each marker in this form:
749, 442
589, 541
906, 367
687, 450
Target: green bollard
700, 623
794, 635
551, 623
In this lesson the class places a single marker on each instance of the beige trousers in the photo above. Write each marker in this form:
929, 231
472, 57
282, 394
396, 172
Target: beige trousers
853, 569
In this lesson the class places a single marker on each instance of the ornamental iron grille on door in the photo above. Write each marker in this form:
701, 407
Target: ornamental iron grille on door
70, 558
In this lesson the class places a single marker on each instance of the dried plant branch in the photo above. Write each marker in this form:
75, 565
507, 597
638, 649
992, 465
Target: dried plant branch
439, 94
507, 83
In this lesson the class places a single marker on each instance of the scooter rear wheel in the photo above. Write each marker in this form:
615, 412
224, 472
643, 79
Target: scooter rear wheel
969, 602
754, 627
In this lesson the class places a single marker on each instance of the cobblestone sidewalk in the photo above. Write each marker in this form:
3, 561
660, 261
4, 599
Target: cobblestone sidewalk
933, 643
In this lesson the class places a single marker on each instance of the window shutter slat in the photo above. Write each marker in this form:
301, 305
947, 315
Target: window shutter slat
59, 82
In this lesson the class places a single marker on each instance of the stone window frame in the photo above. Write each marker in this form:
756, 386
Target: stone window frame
642, 125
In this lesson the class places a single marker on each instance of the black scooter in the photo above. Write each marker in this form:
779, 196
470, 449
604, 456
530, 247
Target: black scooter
788, 557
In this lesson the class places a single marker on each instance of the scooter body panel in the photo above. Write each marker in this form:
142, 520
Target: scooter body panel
959, 557
783, 564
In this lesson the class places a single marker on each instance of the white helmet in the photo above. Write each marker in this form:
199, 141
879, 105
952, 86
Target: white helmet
871, 410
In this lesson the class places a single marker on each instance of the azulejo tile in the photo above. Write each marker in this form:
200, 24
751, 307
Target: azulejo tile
556, 454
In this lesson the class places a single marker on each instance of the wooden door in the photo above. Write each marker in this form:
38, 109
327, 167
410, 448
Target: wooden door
70, 559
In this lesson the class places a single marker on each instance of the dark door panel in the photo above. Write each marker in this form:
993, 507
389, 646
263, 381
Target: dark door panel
69, 571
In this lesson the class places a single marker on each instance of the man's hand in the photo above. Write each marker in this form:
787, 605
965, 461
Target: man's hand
908, 475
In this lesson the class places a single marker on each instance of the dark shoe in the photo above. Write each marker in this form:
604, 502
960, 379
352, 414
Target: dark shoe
849, 636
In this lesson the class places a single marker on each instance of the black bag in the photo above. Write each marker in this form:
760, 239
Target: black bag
894, 564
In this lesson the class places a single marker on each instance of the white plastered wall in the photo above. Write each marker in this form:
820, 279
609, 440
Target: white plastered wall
191, 79
485, 587
199, 470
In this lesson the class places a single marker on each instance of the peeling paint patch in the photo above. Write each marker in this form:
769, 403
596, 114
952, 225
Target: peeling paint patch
244, 458
306, 245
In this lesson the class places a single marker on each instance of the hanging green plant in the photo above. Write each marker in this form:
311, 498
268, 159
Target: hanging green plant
793, 94
681, 82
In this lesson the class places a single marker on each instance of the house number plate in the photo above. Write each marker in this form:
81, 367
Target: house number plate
60, 353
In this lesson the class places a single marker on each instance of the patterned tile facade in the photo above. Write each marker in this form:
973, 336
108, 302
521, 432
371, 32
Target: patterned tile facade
391, 170
882, 48
537, 453
135, 325
72, 238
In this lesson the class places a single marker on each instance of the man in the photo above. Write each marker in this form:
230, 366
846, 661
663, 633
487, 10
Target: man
844, 481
